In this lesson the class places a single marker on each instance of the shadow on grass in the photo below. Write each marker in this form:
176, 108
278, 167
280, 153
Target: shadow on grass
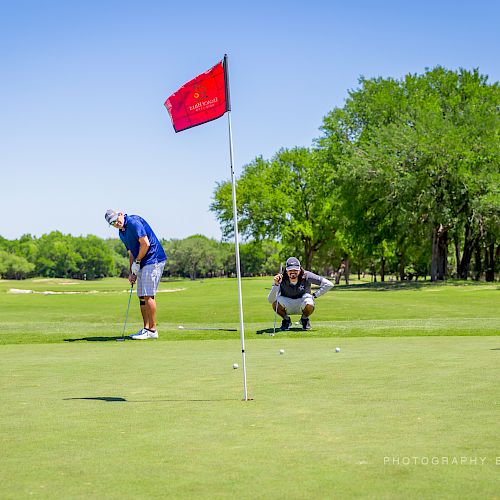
113, 399
271, 330
97, 339
383, 286
109, 399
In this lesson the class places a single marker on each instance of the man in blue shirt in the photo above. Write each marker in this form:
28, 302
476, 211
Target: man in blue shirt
147, 260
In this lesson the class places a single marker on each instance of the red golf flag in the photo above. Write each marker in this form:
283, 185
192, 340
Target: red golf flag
201, 100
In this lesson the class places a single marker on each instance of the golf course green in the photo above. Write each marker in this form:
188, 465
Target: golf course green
407, 408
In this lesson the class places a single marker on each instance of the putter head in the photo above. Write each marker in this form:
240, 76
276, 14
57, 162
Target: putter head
120, 340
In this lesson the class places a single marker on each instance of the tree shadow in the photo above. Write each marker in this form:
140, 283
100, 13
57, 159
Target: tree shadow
384, 286
97, 339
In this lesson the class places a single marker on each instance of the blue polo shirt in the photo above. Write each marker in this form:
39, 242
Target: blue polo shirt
136, 227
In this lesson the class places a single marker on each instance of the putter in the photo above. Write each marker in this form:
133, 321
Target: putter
126, 315
276, 310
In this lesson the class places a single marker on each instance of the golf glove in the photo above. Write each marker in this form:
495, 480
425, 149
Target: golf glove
135, 267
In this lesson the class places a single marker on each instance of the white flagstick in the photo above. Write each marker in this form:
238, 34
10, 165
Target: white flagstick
236, 242
238, 271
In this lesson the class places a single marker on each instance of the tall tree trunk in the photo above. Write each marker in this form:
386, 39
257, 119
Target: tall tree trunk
463, 265
308, 253
346, 271
401, 266
343, 270
439, 262
382, 268
490, 261
478, 268
457, 253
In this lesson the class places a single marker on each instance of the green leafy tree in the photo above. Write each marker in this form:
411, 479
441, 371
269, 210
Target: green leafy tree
260, 258
195, 257
96, 258
121, 261
56, 256
288, 198
417, 155
14, 266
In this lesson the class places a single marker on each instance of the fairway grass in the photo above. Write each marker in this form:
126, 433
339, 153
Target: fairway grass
383, 418
60, 310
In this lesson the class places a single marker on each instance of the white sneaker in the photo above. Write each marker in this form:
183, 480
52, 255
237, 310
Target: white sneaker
145, 334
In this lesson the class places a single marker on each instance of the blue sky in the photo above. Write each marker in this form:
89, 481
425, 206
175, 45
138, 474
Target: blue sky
82, 123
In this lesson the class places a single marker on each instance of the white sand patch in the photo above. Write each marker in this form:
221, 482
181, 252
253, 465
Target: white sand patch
86, 292
57, 281
49, 292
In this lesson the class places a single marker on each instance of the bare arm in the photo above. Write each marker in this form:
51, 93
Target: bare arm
144, 247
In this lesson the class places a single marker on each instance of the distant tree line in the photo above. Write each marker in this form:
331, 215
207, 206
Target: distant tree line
404, 179
57, 255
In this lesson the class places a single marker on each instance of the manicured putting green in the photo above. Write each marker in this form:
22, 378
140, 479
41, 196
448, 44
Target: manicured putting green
166, 420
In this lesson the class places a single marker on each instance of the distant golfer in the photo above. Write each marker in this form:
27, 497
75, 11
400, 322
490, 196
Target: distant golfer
147, 260
295, 293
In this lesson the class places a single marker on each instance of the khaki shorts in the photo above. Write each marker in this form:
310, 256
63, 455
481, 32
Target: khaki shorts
296, 306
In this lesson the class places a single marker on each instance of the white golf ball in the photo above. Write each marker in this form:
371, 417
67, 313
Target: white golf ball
337, 349
235, 366
181, 327
282, 351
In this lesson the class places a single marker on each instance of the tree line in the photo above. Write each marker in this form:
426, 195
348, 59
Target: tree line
57, 255
404, 179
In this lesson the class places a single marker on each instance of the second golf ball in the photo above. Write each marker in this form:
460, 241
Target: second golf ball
235, 365
282, 351
337, 349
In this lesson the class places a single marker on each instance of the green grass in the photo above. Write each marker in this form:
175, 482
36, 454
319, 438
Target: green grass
98, 310
409, 407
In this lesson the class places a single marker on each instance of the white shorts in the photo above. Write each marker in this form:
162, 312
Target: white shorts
148, 279
296, 306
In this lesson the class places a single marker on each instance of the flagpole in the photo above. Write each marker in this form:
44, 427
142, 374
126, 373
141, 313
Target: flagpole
236, 238
185, 116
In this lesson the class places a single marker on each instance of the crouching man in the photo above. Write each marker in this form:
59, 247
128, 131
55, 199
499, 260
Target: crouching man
293, 292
